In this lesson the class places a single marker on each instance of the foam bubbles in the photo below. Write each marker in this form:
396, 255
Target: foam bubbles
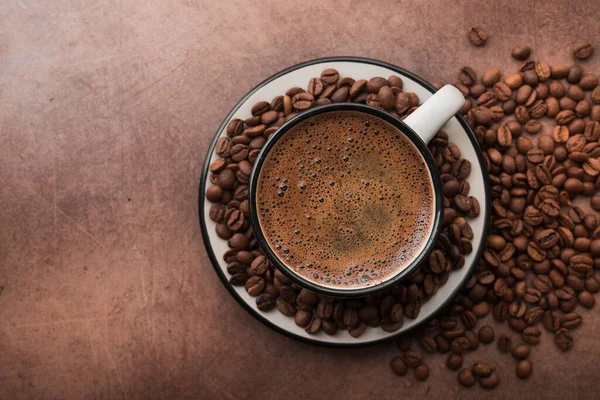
345, 199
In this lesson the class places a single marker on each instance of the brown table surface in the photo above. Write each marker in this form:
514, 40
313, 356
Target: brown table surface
107, 109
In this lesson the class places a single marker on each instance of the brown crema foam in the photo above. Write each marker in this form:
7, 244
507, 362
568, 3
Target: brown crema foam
345, 200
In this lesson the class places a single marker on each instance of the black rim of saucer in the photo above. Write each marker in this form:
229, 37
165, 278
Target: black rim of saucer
436, 181
204, 177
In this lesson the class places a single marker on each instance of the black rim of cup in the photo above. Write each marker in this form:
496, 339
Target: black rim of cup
433, 172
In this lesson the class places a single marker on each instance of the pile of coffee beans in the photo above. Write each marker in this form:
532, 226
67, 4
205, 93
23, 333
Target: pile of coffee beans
539, 129
248, 266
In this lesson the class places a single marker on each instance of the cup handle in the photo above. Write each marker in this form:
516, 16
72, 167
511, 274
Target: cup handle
427, 120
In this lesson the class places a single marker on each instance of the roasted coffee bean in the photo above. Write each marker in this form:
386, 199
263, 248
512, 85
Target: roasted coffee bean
303, 101
467, 76
412, 358
315, 87
489, 382
477, 36
399, 366
531, 335
428, 344
265, 302
521, 52
592, 284
375, 84
530, 78
524, 369
487, 99
517, 324
422, 372
504, 343
466, 377
574, 74
460, 345
454, 361
340, 95
582, 50
513, 81
596, 95
482, 369
542, 69
486, 334
563, 339
586, 299
329, 76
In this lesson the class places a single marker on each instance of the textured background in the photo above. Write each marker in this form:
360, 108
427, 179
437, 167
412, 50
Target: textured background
106, 111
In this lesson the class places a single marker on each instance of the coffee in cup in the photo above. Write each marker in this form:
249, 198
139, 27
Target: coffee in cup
345, 200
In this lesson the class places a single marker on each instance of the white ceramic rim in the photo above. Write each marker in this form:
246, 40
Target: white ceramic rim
458, 131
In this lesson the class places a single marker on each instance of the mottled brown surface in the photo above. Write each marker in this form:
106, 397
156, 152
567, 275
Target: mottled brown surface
106, 111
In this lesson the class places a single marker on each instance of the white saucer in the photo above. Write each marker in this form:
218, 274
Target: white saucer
458, 132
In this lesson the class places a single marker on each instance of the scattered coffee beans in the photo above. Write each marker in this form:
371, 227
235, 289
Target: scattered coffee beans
542, 251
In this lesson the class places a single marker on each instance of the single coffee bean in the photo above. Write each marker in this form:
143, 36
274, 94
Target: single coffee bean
575, 74
489, 382
467, 76
303, 101
359, 329
524, 369
260, 108
375, 84
531, 335
422, 372
542, 91
491, 77
520, 351
556, 89
542, 70
466, 377
482, 369
399, 366
454, 361
476, 90
404, 343
514, 80
340, 95
443, 346
553, 107
595, 113
571, 321
385, 97
486, 334
592, 284
559, 71
395, 81
582, 50
521, 52
329, 76
265, 302
595, 202
460, 345
477, 36
504, 343
563, 339
412, 358
586, 299
588, 81
315, 86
